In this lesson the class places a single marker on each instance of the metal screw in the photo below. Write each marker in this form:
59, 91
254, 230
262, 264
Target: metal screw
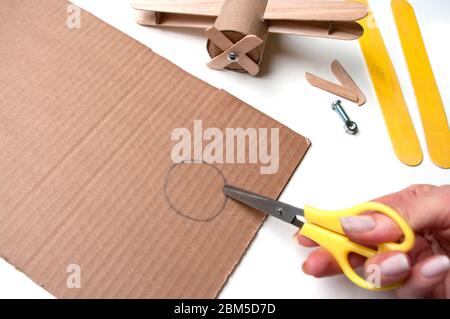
233, 57
350, 126
280, 211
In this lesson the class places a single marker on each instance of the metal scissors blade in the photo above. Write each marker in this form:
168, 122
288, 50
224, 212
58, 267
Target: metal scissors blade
287, 213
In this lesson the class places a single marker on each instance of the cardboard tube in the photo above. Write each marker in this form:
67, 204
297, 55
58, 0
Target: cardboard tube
238, 19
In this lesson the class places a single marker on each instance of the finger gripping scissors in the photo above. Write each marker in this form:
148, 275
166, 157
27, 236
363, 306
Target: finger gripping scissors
324, 228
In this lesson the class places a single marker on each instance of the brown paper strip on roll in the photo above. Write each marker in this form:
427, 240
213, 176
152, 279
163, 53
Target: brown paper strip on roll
238, 19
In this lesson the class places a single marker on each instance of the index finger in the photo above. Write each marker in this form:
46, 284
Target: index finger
422, 206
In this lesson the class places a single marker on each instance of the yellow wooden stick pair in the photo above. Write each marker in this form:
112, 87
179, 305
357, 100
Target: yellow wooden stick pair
392, 102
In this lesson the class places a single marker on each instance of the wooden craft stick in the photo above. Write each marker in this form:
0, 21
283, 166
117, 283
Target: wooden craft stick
339, 90
275, 10
339, 30
194, 7
152, 18
339, 72
431, 107
314, 10
390, 97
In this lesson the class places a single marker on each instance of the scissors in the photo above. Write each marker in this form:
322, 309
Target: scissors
324, 228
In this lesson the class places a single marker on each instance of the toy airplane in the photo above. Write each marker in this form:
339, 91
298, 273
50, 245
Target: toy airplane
237, 30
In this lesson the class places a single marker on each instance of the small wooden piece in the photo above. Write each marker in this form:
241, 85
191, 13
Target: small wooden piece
339, 90
390, 97
346, 80
431, 107
152, 18
348, 88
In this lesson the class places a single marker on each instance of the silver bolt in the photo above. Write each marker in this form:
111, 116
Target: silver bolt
280, 211
350, 126
233, 57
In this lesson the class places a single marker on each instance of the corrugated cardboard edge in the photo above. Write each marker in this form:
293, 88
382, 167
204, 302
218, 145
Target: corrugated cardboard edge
307, 143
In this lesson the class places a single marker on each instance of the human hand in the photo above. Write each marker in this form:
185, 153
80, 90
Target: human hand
425, 269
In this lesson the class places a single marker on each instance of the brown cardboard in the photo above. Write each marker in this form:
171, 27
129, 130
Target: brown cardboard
87, 178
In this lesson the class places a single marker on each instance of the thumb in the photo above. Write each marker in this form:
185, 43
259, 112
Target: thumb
424, 207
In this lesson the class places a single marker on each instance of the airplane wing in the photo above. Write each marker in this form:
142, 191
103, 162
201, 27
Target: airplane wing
301, 17
295, 10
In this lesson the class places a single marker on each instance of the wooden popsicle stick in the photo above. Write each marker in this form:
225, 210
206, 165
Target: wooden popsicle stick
275, 10
340, 30
339, 90
341, 74
431, 107
314, 10
218, 38
151, 18
390, 97
193, 7
190, 21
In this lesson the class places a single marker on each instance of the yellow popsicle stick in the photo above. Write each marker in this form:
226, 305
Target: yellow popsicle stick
387, 87
434, 119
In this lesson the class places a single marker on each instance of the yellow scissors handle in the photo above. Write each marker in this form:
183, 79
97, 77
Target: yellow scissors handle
324, 227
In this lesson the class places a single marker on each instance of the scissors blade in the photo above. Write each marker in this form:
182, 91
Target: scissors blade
287, 213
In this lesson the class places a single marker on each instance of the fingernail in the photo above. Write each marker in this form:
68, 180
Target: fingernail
295, 238
395, 265
436, 266
358, 224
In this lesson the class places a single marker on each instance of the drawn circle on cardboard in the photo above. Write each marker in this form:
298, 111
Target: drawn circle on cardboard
200, 185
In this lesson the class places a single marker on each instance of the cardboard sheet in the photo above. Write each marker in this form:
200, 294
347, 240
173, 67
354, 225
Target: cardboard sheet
88, 181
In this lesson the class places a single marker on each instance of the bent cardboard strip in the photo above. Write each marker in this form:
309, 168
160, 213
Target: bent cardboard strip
88, 185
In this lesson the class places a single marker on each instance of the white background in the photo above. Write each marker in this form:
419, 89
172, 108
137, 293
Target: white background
338, 171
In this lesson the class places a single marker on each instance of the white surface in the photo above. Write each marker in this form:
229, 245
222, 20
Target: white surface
338, 171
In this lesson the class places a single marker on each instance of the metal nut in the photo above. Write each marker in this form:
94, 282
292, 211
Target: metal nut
233, 57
